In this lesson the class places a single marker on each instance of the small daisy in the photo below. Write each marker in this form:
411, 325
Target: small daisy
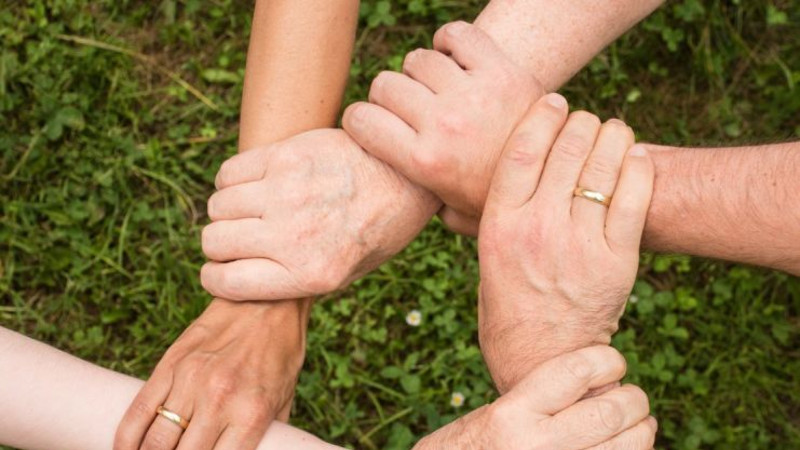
414, 318
633, 299
457, 400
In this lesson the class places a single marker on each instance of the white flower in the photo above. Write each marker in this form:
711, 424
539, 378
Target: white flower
633, 299
457, 400
414, 318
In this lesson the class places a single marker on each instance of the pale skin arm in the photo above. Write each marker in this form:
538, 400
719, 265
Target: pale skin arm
50, 400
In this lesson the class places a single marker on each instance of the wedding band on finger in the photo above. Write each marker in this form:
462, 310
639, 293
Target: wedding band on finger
592, 196
172, 417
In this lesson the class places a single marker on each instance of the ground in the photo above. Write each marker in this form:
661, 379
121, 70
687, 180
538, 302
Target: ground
115, 116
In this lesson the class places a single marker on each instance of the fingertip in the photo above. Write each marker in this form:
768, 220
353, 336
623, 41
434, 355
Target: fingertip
652, 422
354, 116
608, 361
207, 272
638, 151
556, 101
456, 28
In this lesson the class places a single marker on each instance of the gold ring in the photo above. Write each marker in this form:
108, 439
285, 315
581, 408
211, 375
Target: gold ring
592, 196
172, 417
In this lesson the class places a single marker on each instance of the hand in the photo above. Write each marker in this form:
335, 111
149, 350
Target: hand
306, 217
557, 269
549, 409
230, 373
444, 121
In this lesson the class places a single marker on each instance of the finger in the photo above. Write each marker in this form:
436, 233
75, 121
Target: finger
458, 222
381, 133
562, 381
243, 168
407, 98
640, 437
601, 173
239, 438
469, 46
517, 174
142, 412
203, 432
240, 201
596, 420
164, 434
230, 240
253, 279
433, 69
566, 160
628, 211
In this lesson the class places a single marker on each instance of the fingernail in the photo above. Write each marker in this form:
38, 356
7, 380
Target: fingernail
638, 150
557, 101
356, 115
456, 28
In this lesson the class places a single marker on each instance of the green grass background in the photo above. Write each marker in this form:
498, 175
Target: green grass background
115, 115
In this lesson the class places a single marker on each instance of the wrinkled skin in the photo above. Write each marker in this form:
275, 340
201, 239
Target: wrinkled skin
305, 217
444, 121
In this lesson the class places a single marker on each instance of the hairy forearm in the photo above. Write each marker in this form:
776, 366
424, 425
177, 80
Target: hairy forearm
554, 39
297, 68
51, 400
735, 204
463, 434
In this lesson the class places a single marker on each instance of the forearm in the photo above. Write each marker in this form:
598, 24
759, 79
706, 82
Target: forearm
297, 68
735, 204
463, 434
554, 39
51, 400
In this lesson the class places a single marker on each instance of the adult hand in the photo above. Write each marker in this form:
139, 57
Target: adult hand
305, 217
556, 268
549, 409
444, 121
230, 374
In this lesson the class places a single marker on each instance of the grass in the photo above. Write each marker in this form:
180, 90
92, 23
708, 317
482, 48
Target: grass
116, 114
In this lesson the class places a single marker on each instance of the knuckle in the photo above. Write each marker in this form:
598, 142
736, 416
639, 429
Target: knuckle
601, 168
639, 397
221, 387
157, 440
579, 367
452, 124
572, 146
586, 118
521, 149
412, 59
430, 163
326, 280
255, 416
378, 84
223, 175
610, 415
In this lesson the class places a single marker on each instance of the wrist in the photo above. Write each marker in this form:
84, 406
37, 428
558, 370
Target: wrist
513, 351
466, 433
